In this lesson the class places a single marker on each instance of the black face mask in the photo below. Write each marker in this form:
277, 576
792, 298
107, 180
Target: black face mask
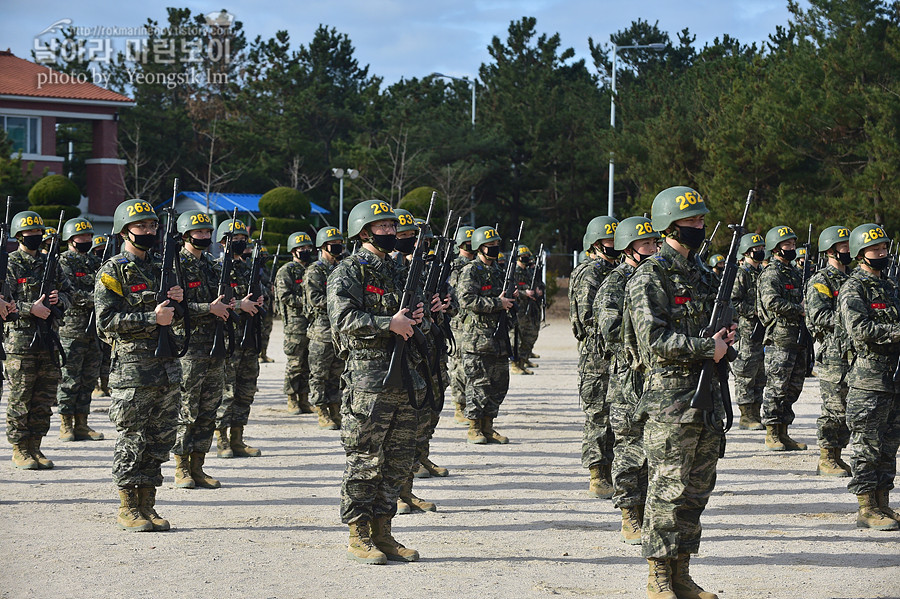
758, 255
32, 242
406, 245
691, 237
335, 249
610, 252
83, 246
238, 247
306, 255
527, 261
879, 263
384, 243
788, 255
844, 258
200, 243
143, 242
492, 252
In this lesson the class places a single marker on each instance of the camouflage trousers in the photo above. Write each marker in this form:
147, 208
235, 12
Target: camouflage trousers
241, 373
874, 421
785, 373
378, 432
681, 462
325, 370
486, 384
202, 383
831, 425
145, 419
296, 371
265, 332
429, 416
457, 377
79, 375
105, 360
629, 463
529, 328
749, 372
33, 378
597, 438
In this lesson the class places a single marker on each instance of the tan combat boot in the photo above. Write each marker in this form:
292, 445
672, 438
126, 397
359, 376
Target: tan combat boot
403, 507
183, 478
492, 436
869, 516
44, 463
882, 499
293, 405
335, 410
518, 367
421, 471
659, 581
303, 402
789, 443
102, 388
147, 504
361, 548
223, 446
241, 449
130, 517
682, 583
773, 439
750, 417
22, 458
416, 503
475, 436
325, 420
459, 414
529, 364
83, 432
433, 469
264, 359
388, 545
66, 428
844, 465
631, 526
201, 478
600, 485
828, 465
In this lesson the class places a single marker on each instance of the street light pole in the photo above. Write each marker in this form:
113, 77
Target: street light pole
340, 173
473, 83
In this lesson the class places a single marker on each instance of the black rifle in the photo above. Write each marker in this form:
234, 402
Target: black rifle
252, 338
537, 282
45, 338
275, 261
433, 283
722, 317
703, 252
171, 277
804, 339
508, 320
4, 267
91, 328
224, 289
398, 370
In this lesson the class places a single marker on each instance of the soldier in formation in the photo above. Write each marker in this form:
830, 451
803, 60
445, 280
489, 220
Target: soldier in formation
749, 369
528, 318
289, 288
463, 243
101, 387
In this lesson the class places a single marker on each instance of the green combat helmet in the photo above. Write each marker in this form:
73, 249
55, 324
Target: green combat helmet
715, 259
48, 231
865, 236
25, 221
631, 229
366, 213
600, 227
76, 226
405, 220
326, 236
483, 235
833, 235
674, 204
750, 241
778, 234
300, 239
464, 235
236, 227
99, 240
524, 252
132, 211
193, 220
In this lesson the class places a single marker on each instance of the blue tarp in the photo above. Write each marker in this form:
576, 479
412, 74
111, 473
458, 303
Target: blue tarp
227, 202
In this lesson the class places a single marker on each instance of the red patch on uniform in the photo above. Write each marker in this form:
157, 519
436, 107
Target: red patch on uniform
878, 306
788, 287
193, 284
298, 280
20, 281
138, 287
487, 287
681, 299
234, 284
79, 274
374, 289
836, 293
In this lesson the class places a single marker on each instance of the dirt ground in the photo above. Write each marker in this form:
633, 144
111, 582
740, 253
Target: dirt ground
512, 521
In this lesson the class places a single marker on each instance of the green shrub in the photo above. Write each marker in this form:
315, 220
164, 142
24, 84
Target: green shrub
284, 202
417, 202
54, 190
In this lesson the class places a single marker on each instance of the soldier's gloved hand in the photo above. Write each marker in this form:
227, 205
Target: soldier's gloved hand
248, 305
164, 314
176, 294
219, 308
506, 302
39, 310
401, 324
54, 297
723, 339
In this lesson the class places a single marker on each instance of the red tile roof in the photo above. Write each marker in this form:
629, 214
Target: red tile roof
19, 77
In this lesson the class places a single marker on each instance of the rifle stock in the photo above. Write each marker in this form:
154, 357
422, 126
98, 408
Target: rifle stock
219, 347
251, 339
165, 344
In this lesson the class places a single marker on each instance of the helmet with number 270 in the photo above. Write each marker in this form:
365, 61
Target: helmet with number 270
676, 203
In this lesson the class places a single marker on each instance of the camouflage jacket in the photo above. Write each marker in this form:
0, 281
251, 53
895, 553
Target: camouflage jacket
23, 279
478, 288
607, 310
289, 289
870, 314
779, 302
586, 284
316, 300
201, 282
125, 303
573, 279
743, 298
823, 317
80, 270
668, 301
455, 268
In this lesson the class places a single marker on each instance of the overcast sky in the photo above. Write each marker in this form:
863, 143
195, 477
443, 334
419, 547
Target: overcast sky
406, 38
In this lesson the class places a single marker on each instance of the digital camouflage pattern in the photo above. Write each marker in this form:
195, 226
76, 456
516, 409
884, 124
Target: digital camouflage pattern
870, 314
748, 370
378, 424
144, 405
81, 346
457, 373
289, 289
832, 364
267, 322
528, 313
325, 368
668, 301
242, 367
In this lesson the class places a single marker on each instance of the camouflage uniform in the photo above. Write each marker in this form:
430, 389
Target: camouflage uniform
242, 368
748, 369
325, 367
669, 300
457, 372
33, 374
485, 364
378, 423
289, 288
79, 375
268, 319
779, 303
870, 314
202, 375
529, 314
145, 388
629, 463
823, 322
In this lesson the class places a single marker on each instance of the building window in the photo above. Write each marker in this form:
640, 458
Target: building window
23, 133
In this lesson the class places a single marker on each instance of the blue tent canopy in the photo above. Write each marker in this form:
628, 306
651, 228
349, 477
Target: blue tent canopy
227, 202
